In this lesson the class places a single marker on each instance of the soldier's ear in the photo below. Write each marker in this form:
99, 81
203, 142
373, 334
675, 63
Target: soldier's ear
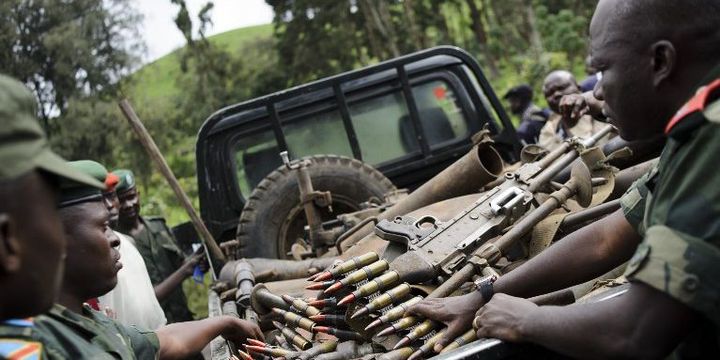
10, 249
663, 61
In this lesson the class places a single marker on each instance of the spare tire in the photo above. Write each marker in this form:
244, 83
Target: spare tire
273, 217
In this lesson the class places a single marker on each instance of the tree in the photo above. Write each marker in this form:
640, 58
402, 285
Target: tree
68, 49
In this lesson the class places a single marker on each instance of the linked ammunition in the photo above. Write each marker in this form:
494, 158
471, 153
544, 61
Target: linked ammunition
330, 319
244, 355
419, 331
427, 347
357, 276
292, 336
394, 313
393, 295
340, 334
464, 339
274, 352
380, 283
401, 324
320, 285
301, 306
295, 320
347, 266
322, 348
324, 303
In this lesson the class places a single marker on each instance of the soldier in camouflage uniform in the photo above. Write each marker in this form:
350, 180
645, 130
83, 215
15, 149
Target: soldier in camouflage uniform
166, 263
654, 55
72, 330
31, 237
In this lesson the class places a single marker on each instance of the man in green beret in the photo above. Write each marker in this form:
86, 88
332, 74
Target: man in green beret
32, 244
72, 330
166, 263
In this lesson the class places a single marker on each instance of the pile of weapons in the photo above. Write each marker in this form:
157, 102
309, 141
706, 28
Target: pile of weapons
361, 308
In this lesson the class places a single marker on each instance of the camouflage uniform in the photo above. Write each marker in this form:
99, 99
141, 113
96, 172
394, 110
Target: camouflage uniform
676, 208
163, 257
92, 335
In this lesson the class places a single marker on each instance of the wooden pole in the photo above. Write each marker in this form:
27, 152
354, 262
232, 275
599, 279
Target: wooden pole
149, 144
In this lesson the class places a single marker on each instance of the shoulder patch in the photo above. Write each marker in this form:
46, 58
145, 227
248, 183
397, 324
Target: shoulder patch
696, 104
18, 349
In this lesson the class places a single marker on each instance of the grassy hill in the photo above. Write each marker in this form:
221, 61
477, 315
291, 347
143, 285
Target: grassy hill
154, 83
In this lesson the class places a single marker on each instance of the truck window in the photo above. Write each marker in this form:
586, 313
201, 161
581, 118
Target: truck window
377, 122
440, 113
256, 155
317, 133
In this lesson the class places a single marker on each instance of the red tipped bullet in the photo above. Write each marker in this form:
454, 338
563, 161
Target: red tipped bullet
346, 300
256, 342
320, 286
255, 349
402, 343
333, 288
288, 299
323, 276
318, 317
373, 325
322, 329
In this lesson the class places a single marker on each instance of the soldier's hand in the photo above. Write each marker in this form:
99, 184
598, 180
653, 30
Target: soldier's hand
573, 107
189, 266
238, 331
456, 312
504, 317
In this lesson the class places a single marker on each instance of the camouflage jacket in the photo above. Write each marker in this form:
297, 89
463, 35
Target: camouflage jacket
20, 339
676, 208
61, 334
163, 257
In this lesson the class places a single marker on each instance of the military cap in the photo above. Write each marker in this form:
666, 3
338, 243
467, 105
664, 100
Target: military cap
127, 180
523, 91
73, 193
23, 146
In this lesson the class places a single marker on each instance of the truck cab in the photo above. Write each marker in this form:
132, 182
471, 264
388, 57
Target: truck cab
409, 117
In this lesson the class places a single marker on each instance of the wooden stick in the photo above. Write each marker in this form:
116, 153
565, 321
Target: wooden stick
149, 144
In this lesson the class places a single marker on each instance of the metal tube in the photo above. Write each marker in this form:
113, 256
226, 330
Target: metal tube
590, 214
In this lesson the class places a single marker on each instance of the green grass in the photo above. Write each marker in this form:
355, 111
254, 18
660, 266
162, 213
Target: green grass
154, 83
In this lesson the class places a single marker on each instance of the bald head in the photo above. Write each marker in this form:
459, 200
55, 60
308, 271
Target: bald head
558, 84
652, 54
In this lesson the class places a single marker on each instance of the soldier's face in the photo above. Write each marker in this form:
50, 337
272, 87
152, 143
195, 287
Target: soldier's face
93, 258
113, 205
632, 101
129, 205
33, 245
555, 88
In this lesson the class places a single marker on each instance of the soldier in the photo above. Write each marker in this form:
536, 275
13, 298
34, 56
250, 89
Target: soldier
74, 331
165, 262
557, 129
532, 118
132, 301
669, 224
32, 244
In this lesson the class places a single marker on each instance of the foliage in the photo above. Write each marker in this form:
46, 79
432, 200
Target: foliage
66, 49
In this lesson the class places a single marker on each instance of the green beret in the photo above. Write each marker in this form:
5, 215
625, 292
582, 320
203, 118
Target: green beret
73, 193
23, 146
127, 180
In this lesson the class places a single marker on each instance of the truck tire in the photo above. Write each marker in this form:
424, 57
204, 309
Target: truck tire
273, 217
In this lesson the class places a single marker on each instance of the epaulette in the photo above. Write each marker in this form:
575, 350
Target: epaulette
697, 104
